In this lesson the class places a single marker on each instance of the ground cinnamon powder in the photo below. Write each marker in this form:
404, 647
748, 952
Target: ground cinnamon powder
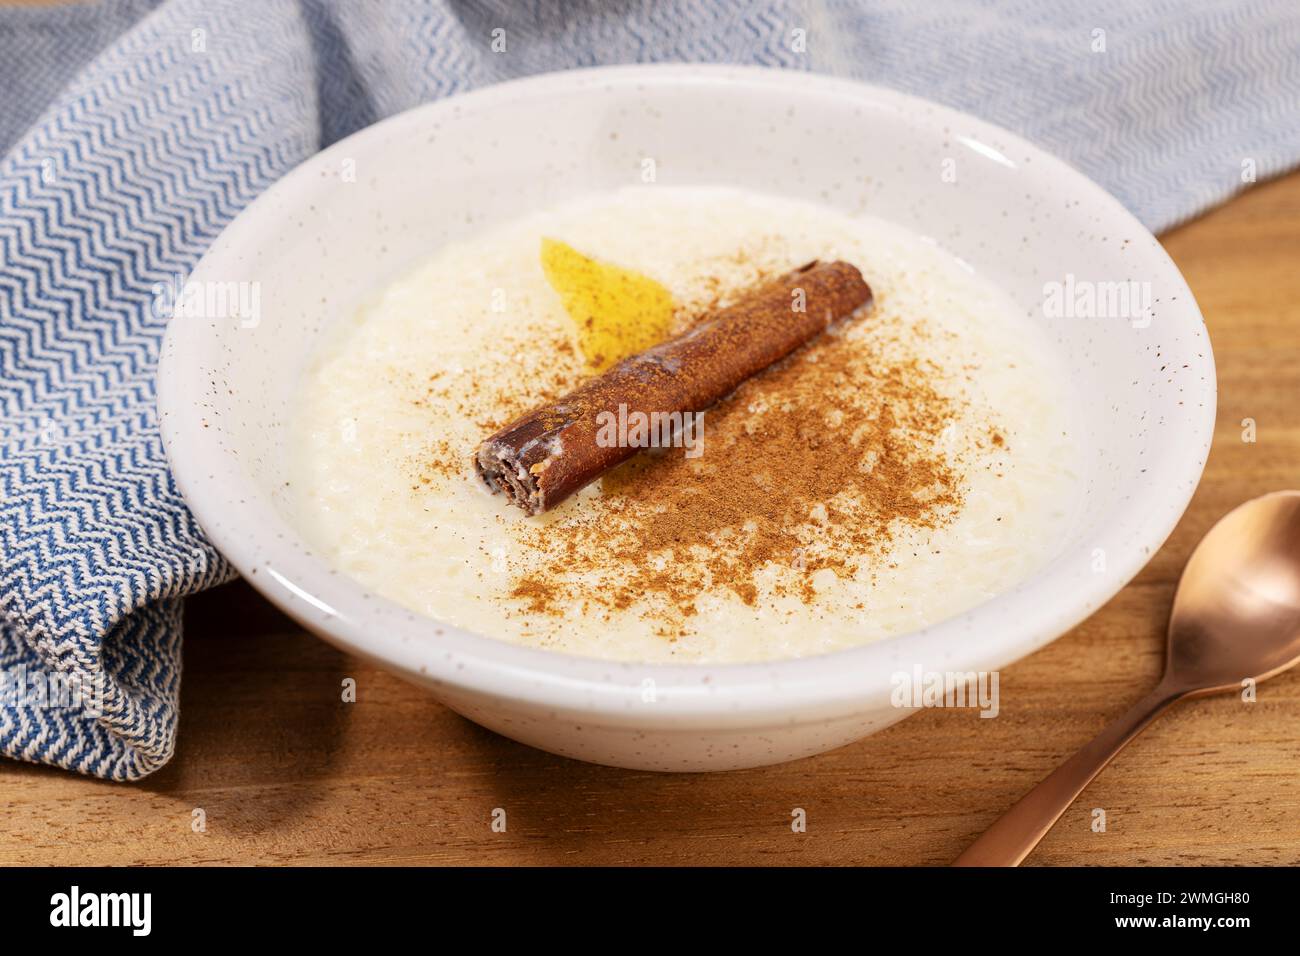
810, 471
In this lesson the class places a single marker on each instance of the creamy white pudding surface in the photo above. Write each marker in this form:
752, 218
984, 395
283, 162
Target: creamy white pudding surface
906, 466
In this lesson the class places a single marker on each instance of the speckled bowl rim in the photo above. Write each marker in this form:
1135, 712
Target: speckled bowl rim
268, 553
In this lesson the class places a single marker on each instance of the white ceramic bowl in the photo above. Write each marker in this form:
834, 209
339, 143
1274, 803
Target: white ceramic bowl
321, 240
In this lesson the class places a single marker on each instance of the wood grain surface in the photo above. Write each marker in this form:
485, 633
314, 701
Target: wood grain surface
286, 773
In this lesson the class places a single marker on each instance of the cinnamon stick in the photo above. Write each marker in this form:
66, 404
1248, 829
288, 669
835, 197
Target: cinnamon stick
546, 455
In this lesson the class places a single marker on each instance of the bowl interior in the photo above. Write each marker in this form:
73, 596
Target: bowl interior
335, 230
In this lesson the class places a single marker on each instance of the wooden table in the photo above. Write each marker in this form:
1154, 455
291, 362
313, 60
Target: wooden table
286, 773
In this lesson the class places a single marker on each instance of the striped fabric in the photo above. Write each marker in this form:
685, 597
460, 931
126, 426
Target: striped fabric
134, 131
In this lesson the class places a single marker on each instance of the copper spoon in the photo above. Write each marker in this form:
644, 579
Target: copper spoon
1236, 616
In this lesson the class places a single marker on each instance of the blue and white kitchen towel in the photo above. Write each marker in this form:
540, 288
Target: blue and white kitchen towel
134, 130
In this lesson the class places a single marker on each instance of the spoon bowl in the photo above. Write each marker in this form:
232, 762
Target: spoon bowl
1236, 614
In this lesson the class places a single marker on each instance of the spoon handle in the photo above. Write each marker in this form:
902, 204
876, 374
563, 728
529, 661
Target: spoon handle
1013, 835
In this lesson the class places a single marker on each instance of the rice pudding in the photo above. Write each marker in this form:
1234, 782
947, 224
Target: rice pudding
902, 467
